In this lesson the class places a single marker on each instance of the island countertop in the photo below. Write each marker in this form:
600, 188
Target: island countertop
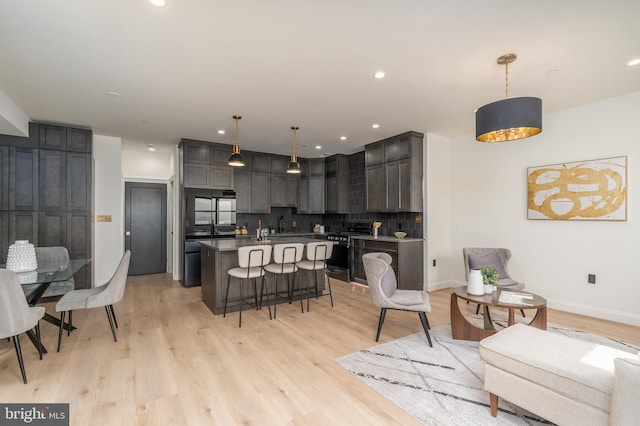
232, 244
385, 238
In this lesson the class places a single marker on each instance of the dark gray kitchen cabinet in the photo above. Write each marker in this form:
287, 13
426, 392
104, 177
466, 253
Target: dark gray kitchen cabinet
4, 178
260, 192
316, 194
242, 187
4, 236
337, 184
51, 136
279, 164
221, 177
23, 225
52, 228
53, 180
79, 140
284, 190
205, 165
196, 153
395, 184
376, 188
78, 182
260, 163
303, 195
220, 154
23, 179
196, 176
78, 243
406, 260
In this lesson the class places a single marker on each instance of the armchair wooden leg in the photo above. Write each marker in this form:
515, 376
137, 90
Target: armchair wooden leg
16, 344
494, 404
383, 313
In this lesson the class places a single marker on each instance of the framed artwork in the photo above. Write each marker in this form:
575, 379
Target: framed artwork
584, 190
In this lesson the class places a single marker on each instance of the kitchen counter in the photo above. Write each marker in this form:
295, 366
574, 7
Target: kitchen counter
220, 255
385, 238
280, 235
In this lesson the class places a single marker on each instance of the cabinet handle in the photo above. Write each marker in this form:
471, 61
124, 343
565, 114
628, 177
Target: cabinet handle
127, 233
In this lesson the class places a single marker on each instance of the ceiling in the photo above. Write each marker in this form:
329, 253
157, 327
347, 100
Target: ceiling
183, 70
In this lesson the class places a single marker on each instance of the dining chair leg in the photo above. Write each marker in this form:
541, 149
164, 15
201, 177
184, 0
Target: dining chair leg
113, 330
383, 313
16, 344
60, 329
39, 341
226, 297
425, 326
70, 323
113, 314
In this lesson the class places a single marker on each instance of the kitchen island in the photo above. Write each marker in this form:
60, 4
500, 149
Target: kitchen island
220, 255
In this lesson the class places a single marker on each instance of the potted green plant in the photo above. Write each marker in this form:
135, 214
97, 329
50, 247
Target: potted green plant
489, 278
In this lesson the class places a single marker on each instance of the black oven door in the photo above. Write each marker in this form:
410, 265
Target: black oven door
338, 264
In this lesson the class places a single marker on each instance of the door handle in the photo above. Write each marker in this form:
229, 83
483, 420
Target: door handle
127, 233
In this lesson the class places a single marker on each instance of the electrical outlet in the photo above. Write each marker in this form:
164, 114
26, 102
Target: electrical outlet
591, 279
434, 262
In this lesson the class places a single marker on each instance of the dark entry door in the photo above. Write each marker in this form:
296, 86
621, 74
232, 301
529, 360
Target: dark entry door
145, 210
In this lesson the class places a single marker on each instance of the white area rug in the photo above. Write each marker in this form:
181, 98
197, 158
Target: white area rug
442, 385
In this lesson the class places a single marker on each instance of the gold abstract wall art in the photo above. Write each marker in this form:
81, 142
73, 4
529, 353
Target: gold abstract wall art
584, 190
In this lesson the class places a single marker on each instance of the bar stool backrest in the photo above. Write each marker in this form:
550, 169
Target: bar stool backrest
319, 252
288, 253
251, 257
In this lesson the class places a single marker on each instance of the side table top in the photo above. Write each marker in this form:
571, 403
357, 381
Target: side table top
491, 300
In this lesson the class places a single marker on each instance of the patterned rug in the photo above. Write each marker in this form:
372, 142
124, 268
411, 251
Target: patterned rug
442, 385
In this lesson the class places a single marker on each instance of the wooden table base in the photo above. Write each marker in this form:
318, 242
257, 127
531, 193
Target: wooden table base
462, 329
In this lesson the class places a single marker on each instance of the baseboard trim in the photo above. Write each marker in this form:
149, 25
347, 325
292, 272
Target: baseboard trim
594, 311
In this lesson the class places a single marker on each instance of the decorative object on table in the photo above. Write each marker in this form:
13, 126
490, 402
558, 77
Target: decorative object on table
28, 277
21, 257
236, 159
400, 234
489, 279
511, 118
376, 225
582, 190
475, 286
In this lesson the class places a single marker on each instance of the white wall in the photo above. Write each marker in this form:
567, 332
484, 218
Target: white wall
438, 212
148, 165
553, 258
108, 236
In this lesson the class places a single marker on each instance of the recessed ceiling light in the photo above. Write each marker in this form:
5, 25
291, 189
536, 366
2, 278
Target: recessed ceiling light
158, 3
634, 62
375, 126
343, 138
151, 147
318, 147
379, 74
221, 132
114, 94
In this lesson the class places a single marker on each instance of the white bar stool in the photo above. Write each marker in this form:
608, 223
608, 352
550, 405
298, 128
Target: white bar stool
317, 255
251, 260
285, 258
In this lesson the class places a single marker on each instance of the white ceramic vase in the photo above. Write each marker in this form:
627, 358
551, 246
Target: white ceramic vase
474, 283
488, 288
21, 257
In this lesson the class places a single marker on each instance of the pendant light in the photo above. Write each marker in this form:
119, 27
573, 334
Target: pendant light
294, 166
236, 159
509, 119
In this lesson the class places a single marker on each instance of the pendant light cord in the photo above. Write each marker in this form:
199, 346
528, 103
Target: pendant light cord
506, 80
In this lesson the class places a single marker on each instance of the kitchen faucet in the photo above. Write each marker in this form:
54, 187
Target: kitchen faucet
281, 224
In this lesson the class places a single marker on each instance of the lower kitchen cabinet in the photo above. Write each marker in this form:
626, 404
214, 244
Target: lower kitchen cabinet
406, 259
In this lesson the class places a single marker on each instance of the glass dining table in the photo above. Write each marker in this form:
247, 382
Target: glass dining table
35, 283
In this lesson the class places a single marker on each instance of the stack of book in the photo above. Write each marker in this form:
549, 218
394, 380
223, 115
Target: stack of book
515, 298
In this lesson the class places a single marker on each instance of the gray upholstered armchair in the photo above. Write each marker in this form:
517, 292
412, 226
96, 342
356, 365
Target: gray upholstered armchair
16, 316
104, 295
385, 294
477, 257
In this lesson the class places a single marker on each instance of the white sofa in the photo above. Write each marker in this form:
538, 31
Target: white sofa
564, 380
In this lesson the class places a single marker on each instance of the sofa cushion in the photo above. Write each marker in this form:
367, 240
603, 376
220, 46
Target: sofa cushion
574, 368
625, 409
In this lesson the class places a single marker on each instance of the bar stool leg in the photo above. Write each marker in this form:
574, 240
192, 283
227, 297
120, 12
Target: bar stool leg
241, 302
226, 297
329, 283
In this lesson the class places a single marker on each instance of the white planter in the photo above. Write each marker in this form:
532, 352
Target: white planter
474, 283
488, 288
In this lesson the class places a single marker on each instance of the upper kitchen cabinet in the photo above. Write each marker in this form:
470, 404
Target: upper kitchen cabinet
395, 184
284, 186
23, 179
337, 184
311, 186
205, 165
51, 136
4, 178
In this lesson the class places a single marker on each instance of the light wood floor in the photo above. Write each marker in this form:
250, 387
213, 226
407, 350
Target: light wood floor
176, 363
